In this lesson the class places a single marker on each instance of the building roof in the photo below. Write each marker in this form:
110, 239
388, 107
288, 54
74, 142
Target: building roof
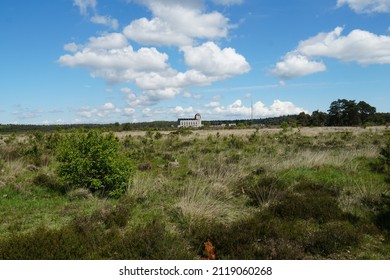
190, 119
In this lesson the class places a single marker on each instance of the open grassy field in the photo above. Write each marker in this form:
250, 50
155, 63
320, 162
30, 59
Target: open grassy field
307, 193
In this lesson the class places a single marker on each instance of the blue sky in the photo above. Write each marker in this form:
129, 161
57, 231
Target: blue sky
104, 61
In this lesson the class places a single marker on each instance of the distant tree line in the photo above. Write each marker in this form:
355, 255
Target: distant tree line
341, 112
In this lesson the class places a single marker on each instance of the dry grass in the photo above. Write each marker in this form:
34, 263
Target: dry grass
306, 131
200, 202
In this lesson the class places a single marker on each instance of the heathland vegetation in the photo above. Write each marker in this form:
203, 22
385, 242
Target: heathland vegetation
290, 192
259, 194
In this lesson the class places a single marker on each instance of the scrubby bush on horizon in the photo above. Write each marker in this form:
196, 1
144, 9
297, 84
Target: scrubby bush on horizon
93, 160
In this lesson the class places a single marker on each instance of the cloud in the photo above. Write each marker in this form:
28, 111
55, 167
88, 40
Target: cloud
120, 64
187, 94
106, 20
27, 113
109, 41
278, 108
128, 111
212, 104
180, 111
108, 107
173, 22
112, 58
86, 112
104, 111
296, 65
126, 90
85, 5
71, 47
366, 6
212, 60
177, 23
358, 46
228, 2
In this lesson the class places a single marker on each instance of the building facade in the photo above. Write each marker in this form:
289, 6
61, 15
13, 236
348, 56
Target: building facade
195, 122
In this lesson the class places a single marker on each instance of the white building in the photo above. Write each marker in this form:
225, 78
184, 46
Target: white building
195, 122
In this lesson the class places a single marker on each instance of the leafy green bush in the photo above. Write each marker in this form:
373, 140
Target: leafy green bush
93, 160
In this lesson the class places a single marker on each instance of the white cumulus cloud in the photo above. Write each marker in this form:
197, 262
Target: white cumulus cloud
177, 23
278, 108
212, 60
366, 6
296, 65
109, 41
115, 65
358, 46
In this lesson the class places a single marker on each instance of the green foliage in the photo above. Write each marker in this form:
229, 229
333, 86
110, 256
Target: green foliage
79, 194
333, 237
284, 126
85, 238
93, 160
382, 218
158, 135
261, 194
116, 216
385, 157
49, 181
347, 112
317, 205
261, 189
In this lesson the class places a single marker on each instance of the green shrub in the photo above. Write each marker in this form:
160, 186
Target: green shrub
322, 208
49, 181
84, 238
385, 157
145, 242
259, 236
94, 161
115, 216
79, 194
158, 135
382, 218
261, 189
332, 238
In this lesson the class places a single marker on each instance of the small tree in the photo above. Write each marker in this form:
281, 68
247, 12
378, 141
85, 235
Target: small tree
93, 160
